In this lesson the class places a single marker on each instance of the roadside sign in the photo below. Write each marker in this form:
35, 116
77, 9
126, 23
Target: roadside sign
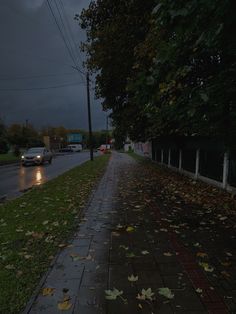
74, 138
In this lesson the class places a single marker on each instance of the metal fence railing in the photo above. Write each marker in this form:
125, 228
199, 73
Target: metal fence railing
211, 164
204, 158
189, 159
232, 168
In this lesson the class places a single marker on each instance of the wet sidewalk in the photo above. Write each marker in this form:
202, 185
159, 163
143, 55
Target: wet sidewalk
134, 253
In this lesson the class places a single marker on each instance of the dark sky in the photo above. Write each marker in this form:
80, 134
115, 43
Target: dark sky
33, 55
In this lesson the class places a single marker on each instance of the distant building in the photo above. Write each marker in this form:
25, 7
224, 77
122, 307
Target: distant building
53, 142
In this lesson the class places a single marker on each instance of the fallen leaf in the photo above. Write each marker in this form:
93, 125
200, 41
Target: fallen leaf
130, 255
10, 267
64, 306
113, 294
146, 294
225, 274
115, 234
132, 278
226, 264
168, 254
201, 254
130, 229
166, 292
198, 290
124, 247
206, 267
48, 291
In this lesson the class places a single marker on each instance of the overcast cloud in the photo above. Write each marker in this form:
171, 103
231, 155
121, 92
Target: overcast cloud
31, 45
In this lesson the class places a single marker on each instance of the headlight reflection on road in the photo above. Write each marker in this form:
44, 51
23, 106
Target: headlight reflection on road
31, 176
39, 176
22, 181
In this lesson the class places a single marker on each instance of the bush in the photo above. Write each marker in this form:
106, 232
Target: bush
3, 146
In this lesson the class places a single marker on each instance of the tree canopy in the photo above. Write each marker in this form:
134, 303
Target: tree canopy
164, 67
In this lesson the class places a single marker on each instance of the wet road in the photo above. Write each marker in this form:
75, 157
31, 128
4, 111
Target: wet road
14, 179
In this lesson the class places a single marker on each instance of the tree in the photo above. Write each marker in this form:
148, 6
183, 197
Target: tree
165, 69
114, 29
3, 138
23, 135
188, 84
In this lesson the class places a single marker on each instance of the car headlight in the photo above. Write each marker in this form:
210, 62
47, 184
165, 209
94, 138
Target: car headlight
38, 156
22, 157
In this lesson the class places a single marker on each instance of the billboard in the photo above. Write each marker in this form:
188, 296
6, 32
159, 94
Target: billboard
74, 138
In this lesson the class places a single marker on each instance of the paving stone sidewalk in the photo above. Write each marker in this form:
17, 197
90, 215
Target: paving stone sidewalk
124, 232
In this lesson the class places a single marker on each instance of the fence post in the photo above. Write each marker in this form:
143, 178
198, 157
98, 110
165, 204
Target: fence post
162, 156
169, 155
225, 170
180, 159
197, 163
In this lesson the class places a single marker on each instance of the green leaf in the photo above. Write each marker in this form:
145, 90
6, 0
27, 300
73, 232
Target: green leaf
132, 278
147, 294
113, 294
157, 8
166, 292
204, 97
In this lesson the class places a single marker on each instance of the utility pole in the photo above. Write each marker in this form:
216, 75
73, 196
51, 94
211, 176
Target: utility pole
89, 120
107, 117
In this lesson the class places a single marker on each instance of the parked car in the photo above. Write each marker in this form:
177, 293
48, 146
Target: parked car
75, 147
36, 156
104, 147
65, 150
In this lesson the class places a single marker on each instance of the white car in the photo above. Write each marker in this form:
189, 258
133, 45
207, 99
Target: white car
36, 156
75, 147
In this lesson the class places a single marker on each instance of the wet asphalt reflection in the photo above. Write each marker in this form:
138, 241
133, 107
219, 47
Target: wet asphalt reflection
16, 179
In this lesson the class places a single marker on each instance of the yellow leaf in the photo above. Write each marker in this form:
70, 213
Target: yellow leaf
48, 291
206, 267
130, 229
225, 274
201, 254
226, 264
64, 306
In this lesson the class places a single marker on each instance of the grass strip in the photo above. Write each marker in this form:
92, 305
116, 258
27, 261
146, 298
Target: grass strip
33, 228
137, 157
7, 158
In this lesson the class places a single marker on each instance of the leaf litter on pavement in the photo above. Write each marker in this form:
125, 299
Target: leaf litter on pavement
169, 203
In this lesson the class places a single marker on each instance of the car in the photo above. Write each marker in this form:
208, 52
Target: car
65, 150
75, 147
104, 147
36, 156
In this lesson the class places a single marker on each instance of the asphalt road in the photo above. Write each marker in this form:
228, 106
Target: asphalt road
15, 179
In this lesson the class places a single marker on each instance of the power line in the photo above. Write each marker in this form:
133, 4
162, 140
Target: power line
69, 29
65, 31
34, 76
40, 88
67, 37
63, 37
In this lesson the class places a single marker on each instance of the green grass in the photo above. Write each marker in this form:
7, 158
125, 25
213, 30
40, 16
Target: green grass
4, 158
33, 227
136, 156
